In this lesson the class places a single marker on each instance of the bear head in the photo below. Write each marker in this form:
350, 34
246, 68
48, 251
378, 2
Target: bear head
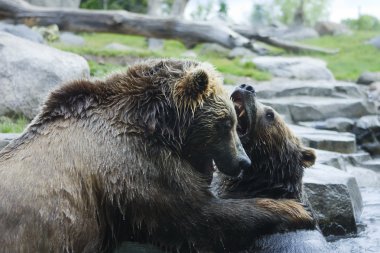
278, 156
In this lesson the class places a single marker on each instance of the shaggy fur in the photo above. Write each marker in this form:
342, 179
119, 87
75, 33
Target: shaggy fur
278, 156
125, 159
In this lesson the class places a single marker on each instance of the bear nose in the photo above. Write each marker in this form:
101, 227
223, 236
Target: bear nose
247, 88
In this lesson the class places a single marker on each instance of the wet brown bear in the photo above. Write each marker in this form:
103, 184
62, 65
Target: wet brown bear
278, 156
278, 162
125, 158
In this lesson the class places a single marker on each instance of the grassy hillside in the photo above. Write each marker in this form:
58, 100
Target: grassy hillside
354, 58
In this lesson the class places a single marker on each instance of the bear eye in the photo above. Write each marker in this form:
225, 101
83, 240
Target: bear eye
228, 124
269, 115
225, 124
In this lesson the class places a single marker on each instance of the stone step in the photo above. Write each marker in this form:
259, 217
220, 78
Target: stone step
341, 161
326, 140
319, 88
373, 164
306, 108
335, 197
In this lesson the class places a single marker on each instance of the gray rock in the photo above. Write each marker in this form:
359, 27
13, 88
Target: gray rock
364, 176
368, 78
330, 158
375, 42
374, 92
241, 52
358, 158
310, 241
367, 131
71, 39
56, 3
335, 196
5, 139
331, 28
30, 71
303, 68
305, 108
369, 122
280, 87
213, 48
119, 47
326, 140
338, 124
22, 31
373, 164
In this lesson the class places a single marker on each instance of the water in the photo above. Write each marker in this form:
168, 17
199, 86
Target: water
368, 239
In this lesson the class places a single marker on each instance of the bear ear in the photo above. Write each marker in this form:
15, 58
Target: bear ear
308, 157
191, 88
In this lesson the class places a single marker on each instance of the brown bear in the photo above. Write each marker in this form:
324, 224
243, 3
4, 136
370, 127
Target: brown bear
127, 158
278, 161
278, 156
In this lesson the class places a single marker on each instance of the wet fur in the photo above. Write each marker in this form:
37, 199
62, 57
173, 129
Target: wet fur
106, 161
278, 160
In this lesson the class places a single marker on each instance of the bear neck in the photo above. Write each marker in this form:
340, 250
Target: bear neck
278, 175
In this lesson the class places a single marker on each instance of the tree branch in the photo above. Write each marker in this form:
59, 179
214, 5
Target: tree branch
251, 33
81, 20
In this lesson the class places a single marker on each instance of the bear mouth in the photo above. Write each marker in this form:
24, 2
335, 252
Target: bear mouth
242, 117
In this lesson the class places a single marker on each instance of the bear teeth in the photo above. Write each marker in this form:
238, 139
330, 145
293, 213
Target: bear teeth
242, 113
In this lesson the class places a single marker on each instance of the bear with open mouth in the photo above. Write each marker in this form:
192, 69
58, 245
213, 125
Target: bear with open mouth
278, 162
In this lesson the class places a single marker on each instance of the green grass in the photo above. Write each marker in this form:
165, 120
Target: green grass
354, 56
100, 70
96, 42
8, 125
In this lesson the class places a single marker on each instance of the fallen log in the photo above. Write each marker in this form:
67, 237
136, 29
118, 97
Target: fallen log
294, 47
124, 22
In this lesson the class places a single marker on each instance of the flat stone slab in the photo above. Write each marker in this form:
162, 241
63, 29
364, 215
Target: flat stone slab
326, 140
306, 108
338, 124
322, 88
373, 164
303, 68
364, 176
335, 197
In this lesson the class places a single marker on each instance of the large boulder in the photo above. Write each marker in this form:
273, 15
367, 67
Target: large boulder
335, 197
56, 3
22, 31
304, 68
30, 70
